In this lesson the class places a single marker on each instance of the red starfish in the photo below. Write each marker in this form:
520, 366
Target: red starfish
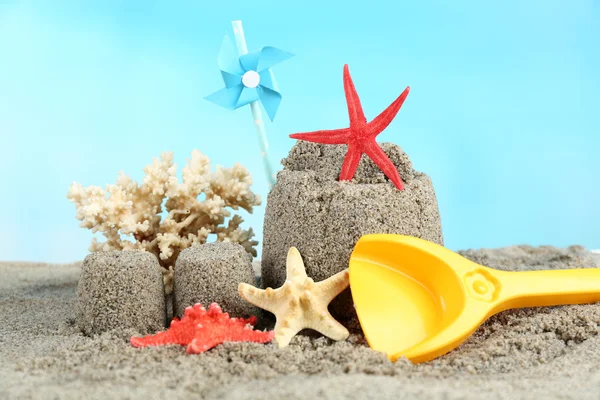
201, 330
360, 136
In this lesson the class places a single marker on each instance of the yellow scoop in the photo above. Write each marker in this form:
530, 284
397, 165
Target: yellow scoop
420, 300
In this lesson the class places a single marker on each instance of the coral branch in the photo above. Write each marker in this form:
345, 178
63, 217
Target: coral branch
128, 209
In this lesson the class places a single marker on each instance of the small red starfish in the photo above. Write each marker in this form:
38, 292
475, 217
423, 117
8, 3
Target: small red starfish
201, 330
360, 136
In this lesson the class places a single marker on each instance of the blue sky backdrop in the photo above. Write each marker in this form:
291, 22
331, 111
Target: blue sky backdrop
503, 112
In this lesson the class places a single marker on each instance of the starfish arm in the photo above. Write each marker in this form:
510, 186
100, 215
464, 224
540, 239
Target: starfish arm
332, 136
379, 157
328, 326
158, 339
295, 266
258, 297
350, 164
355, 111
285, 330
332, 286
245, 333
385, 118
203, 341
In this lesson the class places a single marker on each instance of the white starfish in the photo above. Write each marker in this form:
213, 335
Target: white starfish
300, 303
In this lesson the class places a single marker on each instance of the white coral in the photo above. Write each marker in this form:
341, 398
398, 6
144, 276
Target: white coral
127, 209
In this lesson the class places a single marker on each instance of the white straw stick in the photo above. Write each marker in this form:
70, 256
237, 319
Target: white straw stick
238, 32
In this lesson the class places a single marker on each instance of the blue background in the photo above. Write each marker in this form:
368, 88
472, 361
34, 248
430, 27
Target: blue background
503, 112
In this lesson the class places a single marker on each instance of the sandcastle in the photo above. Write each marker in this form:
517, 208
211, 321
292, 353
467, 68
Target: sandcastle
211, 273
309, 208
120, 289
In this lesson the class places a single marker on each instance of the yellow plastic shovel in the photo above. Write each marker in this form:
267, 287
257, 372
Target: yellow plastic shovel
420, 300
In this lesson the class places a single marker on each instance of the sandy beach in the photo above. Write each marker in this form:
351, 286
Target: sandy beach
551, 352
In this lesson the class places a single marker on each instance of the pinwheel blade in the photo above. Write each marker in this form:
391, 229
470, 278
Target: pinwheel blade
228, 58
231, 80
269, 56
270, 100
247, 96
267, 79
249, 61
227, 97
264, 58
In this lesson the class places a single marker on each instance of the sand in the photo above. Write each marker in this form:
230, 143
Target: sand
550, 353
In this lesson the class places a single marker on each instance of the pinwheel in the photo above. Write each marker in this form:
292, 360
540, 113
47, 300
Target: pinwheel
249, 80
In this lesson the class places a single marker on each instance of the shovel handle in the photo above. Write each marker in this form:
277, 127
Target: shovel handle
548, 288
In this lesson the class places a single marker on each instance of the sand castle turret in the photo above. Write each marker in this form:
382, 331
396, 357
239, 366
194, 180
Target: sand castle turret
310, 209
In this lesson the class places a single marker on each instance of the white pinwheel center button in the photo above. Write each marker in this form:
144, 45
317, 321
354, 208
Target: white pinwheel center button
251, 79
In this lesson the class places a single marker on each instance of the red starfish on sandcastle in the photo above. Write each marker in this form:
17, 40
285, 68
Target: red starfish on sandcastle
360, 136
201, 330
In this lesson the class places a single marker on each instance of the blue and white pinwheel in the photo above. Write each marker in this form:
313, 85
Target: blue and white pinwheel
248, 78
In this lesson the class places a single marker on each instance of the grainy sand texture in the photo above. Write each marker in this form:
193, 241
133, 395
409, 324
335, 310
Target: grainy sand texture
119, 289
212, 273
542, 353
